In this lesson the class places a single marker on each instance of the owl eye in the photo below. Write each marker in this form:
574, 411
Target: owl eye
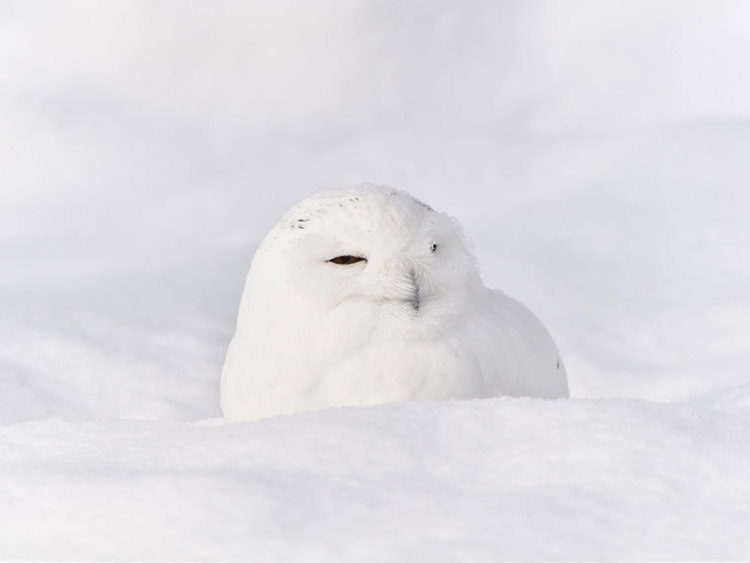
346, 260
433, 248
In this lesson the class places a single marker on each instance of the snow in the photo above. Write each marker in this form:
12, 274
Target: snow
596, 154
516, 478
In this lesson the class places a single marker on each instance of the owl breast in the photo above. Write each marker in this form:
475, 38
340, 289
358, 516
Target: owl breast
380, 352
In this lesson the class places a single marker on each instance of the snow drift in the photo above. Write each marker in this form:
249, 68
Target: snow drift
475, 480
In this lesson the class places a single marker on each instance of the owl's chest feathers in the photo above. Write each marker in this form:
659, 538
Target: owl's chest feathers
356, 326
387, 355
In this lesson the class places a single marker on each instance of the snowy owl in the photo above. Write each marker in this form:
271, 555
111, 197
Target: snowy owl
366, 296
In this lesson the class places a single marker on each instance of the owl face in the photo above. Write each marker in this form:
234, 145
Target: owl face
376, 253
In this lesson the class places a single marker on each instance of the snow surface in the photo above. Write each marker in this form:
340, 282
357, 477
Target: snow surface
596, 154
516, 478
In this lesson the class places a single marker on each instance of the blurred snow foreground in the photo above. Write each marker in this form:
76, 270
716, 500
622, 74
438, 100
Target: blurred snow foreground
597, 155
475, 480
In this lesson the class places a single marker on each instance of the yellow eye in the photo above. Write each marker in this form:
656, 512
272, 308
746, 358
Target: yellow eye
346, 260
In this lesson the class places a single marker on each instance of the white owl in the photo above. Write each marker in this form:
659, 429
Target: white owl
366, 296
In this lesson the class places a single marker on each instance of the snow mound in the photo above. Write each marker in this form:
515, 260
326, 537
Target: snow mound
489, 479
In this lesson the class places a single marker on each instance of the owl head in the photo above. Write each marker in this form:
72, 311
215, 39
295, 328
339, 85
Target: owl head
375, 258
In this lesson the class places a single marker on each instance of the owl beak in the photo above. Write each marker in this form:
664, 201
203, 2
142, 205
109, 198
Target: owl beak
415, 290
402, 284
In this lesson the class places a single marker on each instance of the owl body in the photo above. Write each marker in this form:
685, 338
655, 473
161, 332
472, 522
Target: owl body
367, 296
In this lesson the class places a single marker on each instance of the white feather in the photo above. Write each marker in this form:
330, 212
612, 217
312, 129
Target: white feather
411, 321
